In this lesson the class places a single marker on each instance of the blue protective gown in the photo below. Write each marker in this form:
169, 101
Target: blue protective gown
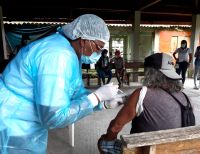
40, 89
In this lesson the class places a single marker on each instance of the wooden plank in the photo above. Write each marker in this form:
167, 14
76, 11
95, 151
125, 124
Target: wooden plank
152, 149
135, 69
180, 147
160, 137
134, 65
140, 150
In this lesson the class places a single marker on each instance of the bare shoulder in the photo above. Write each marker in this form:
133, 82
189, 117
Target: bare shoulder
135, 95
136, 91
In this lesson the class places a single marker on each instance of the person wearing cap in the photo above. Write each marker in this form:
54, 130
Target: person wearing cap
183, 59
150, 107
42, 87
119, 66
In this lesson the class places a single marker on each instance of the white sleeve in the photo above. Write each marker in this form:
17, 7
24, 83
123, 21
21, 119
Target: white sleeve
139, 106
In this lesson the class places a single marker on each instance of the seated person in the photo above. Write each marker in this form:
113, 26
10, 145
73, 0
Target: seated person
144, 108
24, 41
104, 67
119, 66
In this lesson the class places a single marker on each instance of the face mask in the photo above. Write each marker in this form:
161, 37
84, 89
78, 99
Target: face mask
90, 59
183, 45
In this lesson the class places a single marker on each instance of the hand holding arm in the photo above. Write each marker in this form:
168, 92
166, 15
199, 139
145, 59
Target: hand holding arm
113, 103
102, 94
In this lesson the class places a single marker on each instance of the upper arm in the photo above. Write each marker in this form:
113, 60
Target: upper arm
189, 51
126, 114
175, 52
128, 111
52, 78
190, 55
196, 51
52, 84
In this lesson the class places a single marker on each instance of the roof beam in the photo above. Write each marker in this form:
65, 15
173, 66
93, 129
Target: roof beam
102, 10
148, 5
196, 4
168, 13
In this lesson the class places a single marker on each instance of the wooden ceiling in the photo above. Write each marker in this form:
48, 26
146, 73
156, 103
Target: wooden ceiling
112, 11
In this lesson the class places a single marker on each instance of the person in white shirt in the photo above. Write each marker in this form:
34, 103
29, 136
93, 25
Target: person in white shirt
183, 59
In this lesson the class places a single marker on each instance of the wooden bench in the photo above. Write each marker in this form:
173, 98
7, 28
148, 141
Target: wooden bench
91, 74
88, 74
134, 68
172, 141
131, 68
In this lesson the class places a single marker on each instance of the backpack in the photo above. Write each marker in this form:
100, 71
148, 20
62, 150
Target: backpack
187, 115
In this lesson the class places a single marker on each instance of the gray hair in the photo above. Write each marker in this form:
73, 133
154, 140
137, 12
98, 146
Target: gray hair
155, 79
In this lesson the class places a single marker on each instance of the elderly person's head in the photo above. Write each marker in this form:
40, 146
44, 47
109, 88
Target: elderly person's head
89, 32
160, 72
117, 53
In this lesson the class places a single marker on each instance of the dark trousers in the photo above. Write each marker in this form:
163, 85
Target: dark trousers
196, 71
182, 69
105, 73
119, 74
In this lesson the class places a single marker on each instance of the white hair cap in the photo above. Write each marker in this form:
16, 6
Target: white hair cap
88, 26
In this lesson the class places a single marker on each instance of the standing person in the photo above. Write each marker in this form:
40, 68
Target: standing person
104, 67
183, 60
144, 108
119, 66
42, 87
196, 67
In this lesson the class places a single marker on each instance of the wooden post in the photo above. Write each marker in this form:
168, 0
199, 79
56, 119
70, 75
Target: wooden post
136, 35
3, 54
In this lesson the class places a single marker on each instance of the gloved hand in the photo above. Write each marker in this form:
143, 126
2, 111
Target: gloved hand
113, 103
106, 92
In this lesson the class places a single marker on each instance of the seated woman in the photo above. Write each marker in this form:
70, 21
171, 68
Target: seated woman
104, 67
144, 108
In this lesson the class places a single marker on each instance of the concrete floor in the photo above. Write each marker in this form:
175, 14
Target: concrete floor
90, 128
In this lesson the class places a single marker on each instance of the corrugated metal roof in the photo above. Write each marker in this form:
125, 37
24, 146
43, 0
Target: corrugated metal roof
114, 25
32, 22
